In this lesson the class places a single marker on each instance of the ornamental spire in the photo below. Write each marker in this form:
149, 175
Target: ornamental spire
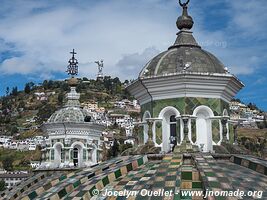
73, 65
185, 21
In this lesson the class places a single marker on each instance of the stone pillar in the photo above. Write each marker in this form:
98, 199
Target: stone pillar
186, 129
43, 156
94, 155
178, 135
224, 121
150, 123
235, 134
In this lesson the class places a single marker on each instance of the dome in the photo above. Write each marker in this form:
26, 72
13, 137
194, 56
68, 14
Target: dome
69, 114
184, 56
72, 111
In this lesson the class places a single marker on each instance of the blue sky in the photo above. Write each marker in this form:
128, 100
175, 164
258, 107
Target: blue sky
36, 37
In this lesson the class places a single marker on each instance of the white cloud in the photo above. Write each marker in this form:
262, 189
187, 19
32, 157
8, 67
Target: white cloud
122, 32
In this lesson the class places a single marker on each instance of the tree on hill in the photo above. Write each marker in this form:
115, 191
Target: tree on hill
265, 122
64, 86
14, 91
45, 112
8, 163
60, 98
2, 185
115, 149
7, 91
253, 106
27, 88
14, 130
21, 104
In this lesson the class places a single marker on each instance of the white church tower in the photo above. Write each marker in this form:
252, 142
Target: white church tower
74, 137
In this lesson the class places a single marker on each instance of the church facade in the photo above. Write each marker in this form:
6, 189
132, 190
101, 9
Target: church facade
184, 94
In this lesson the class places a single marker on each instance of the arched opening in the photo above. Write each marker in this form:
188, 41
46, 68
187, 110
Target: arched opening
58, 153
145, 129
170, 128
94, 155
204, 128
77, 155
173, 130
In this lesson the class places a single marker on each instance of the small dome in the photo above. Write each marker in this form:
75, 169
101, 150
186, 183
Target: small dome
73, 82
69, 114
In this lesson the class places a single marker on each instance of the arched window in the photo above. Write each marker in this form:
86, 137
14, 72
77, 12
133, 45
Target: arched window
173, 130
75, 156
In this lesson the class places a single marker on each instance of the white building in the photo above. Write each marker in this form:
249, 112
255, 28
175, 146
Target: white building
73, 136
13, 178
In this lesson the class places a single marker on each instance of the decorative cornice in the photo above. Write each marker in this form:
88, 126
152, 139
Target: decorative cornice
223, 86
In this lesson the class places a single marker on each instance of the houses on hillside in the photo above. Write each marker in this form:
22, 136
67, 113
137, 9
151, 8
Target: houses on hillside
29, 144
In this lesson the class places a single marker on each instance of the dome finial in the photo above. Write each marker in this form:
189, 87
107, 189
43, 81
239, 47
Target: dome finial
73, 69
73, 65
185, 21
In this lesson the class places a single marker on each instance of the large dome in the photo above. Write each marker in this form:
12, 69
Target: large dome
184, 56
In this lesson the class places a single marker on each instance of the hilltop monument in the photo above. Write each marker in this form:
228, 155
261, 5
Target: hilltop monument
100, 66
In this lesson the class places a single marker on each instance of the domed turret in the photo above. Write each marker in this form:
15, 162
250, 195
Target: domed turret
182, 91
185, 55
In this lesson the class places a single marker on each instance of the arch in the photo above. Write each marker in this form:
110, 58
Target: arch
169, 109
166, 114
77, 153
203, 108
204, 127
77, 143
58, 146
93, 153
145, 130
225, 112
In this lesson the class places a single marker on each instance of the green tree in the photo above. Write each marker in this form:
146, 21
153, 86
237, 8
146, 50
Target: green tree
123, 147
115, 149
8, 163
85, 79
7, 91
14, 130
45, 84
64, 86
50, 84
45, 112
265, 122
14, 91
2, 185
60, 98
27, 88
21, 104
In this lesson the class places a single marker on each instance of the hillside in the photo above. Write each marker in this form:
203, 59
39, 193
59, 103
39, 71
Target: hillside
21, 111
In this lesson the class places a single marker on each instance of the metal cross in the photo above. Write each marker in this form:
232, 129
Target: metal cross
73, 53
